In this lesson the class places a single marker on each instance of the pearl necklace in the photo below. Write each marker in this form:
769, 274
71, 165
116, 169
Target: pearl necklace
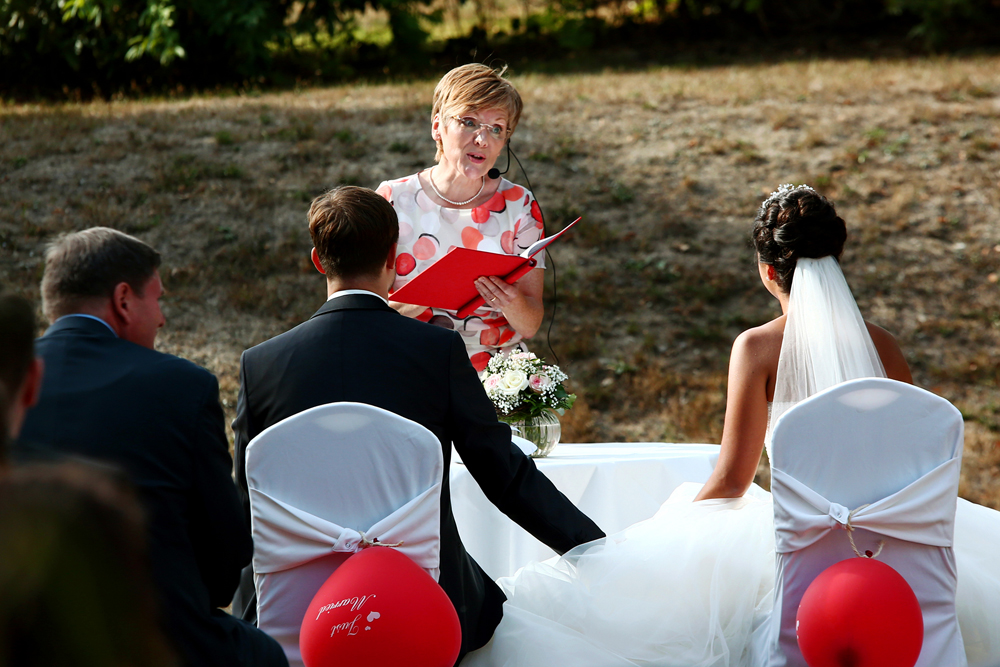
430, 179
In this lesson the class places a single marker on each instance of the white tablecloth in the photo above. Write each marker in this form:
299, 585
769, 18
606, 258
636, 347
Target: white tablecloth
615, 484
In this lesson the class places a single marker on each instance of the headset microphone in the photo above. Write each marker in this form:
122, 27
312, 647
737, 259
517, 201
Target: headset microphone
495, 173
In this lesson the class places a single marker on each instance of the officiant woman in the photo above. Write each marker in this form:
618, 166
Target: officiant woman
456, 202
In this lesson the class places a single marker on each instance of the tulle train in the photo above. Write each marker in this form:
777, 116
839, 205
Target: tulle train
688, 588
684, 588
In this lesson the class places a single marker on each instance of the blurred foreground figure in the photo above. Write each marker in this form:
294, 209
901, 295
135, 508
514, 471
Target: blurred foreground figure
3, 425
108, 396
74, 580
20, 370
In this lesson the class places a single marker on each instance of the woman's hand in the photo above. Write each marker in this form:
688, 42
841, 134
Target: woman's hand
496, 292
521, 302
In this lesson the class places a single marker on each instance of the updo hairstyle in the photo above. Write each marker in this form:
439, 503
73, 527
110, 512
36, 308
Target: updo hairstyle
472, 88
798, 222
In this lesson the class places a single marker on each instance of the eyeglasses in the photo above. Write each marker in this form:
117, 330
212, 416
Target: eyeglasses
470, 125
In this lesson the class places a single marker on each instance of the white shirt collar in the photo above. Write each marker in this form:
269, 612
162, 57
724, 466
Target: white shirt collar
348, 292
89, 317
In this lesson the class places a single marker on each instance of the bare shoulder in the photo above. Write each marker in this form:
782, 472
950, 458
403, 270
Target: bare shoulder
760, 344
890, 353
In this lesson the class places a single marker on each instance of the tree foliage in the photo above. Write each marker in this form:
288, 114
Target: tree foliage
105, 46
110, 45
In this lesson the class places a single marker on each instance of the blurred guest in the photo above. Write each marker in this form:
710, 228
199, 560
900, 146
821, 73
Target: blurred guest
4, 431
20, 369
463, 201
74, 576
109, 396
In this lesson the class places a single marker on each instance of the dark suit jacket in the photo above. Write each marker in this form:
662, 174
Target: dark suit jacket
356, 348
158, 418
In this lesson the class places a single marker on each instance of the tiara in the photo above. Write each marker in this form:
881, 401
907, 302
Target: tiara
782, 189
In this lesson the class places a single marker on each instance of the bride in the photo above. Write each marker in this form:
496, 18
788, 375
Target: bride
798, 237
689, 586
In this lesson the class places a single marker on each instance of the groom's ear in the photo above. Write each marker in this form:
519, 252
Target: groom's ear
390, 260
318, 264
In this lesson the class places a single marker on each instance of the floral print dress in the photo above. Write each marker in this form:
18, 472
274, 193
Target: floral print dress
508, 223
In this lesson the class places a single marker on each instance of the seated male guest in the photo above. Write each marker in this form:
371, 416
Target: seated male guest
108, 396
357, 348
20, 369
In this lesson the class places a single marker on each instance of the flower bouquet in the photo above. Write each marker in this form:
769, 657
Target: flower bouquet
527, 393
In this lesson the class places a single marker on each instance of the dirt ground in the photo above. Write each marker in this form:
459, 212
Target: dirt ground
667, 166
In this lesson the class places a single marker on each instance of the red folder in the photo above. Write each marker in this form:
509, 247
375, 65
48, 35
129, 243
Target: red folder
449, 283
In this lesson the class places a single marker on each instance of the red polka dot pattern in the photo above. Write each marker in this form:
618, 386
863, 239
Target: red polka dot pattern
513, 194
480, 215
425, 247
480, 360
471, 237
497, 203
405, 263
536, 212
490, 337
507, 242
508, 222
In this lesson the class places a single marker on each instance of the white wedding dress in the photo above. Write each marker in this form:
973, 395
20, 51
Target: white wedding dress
690, 586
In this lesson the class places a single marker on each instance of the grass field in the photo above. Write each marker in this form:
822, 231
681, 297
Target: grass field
667, 165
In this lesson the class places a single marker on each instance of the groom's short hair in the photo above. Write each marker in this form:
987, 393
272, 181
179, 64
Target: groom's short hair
353, 229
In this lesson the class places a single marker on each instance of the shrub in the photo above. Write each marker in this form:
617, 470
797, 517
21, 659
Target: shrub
105, 46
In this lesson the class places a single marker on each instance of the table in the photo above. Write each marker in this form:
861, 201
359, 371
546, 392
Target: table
615, 484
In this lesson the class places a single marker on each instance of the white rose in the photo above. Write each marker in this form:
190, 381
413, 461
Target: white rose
513, 382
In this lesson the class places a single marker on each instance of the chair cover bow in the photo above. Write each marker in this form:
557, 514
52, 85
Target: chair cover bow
287, 536
922, 512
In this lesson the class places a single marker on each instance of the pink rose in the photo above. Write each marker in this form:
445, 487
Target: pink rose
491, 382
523, 355
539, 383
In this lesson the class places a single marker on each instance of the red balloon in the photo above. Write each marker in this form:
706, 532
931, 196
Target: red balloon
860, 613
380, 608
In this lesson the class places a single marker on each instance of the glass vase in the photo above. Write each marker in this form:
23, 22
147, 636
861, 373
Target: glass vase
543, 430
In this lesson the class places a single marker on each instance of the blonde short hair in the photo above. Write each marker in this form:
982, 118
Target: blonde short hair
475, 87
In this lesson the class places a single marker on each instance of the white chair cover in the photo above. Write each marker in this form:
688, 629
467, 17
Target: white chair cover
323, 484
886, 456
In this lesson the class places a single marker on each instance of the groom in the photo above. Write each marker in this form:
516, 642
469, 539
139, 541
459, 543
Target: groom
357, 348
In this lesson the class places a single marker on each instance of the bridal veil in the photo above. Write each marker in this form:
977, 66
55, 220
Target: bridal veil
826, 341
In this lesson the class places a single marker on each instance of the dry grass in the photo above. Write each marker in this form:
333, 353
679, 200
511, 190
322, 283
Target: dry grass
667, 165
